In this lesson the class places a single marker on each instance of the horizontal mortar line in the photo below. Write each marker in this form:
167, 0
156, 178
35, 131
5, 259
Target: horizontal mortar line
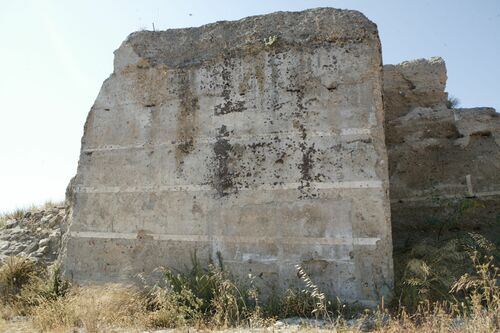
366, 241
283, 261
446, 196
364, 184
173, 98
344, 132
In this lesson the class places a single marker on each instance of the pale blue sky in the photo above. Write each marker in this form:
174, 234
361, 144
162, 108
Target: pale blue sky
55, 55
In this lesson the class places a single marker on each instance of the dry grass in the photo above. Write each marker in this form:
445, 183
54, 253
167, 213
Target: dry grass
204, 297
19, 212
94, 308
14, 274
16, 214
208, 298
428, 270
51, 204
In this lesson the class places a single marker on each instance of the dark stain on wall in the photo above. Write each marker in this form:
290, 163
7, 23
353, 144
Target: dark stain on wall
187, 121
228, 106
307, 162
223, 177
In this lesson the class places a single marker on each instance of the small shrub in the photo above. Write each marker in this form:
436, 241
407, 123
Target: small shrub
14, 274
174, 309
482, 288
452, 102
44, 286
271, 40
432, 266
203, 297
297, 303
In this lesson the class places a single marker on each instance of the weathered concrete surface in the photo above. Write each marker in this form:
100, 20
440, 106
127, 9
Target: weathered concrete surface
272, 153
433, 150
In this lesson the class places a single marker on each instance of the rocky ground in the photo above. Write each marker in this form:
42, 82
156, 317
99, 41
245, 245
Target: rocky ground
290, 325
35, 234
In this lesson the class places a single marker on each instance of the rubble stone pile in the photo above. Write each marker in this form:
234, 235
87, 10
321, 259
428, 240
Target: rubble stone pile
37, 235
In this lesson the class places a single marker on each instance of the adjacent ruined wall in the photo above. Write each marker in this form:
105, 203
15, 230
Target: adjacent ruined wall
444, 163
272, 153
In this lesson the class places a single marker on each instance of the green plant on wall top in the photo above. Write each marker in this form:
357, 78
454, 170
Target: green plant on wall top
452, 102
269, 41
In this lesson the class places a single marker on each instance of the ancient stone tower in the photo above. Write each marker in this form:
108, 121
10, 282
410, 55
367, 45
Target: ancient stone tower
261, 139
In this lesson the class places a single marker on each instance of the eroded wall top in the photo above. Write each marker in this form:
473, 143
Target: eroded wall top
419, 82
444, 161
193, 46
